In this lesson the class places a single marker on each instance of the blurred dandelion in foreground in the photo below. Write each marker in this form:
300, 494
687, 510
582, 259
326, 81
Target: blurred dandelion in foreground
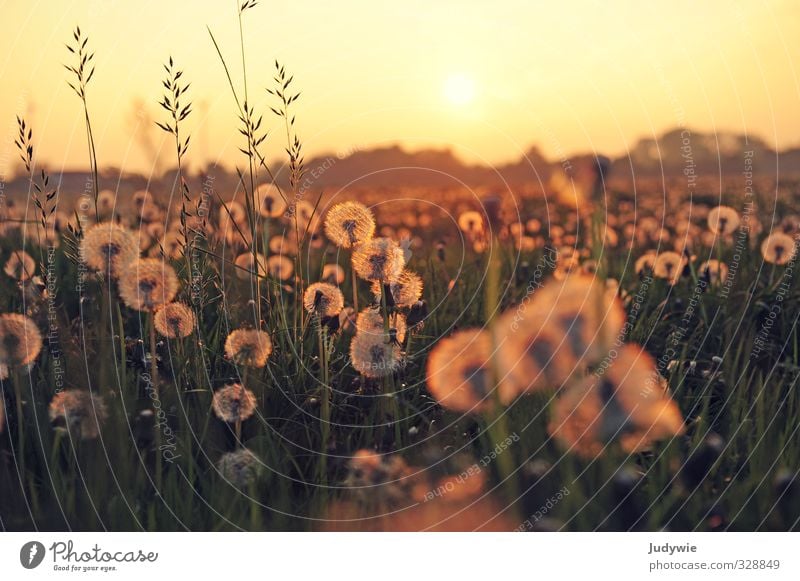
581, 311
234, 403
20, 266
240, 468
723, 220
175, 320
459, 373
248, 347
78, 412
148, 284
629, 403
404, 291
20, 340
384, 493
349, 224
323, 299
778, 248
109, 247
380, 259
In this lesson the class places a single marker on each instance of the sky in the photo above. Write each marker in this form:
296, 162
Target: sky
485, 79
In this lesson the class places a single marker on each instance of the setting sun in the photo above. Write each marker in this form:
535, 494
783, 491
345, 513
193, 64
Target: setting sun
459, 89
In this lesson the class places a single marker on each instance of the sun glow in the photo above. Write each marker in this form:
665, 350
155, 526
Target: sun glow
459, 89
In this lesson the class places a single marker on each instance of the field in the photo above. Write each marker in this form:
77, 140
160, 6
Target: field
590, 354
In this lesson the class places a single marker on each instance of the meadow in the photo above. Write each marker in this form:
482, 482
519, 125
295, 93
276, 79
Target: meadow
594, 356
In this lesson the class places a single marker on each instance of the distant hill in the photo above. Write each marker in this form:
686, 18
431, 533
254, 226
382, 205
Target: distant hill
671, 154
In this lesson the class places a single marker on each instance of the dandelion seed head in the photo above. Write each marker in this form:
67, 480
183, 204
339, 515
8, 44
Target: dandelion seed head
20, 266
240, 468
280, 267
723, 220
629, 403
373, 356
405, 290
778, 248
270, 202
175, 320
109, 247
323, 299
79, 412
147, 284
234, 403
459, 374
669, 266
248, 347
20, 340
714, 271
349, 224
379, 259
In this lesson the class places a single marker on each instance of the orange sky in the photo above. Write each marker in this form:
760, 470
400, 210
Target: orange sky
486, 79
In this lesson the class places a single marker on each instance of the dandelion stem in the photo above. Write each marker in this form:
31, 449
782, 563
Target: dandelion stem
325, 411
154, 387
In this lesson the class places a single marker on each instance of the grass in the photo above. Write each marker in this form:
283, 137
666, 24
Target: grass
109, 483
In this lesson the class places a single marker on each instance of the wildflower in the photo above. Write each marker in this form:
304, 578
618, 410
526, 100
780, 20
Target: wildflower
714, 271
723, 220
373, 357
175, 320
234, 403
459, 373
379, 259
248, 347
240, 468
323, 299
349, 224
108, 247
20, 266
148, 284
404, 291
669, 265
20, 340
270, 202
280, 267
778, 248
628, 403
78, 412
